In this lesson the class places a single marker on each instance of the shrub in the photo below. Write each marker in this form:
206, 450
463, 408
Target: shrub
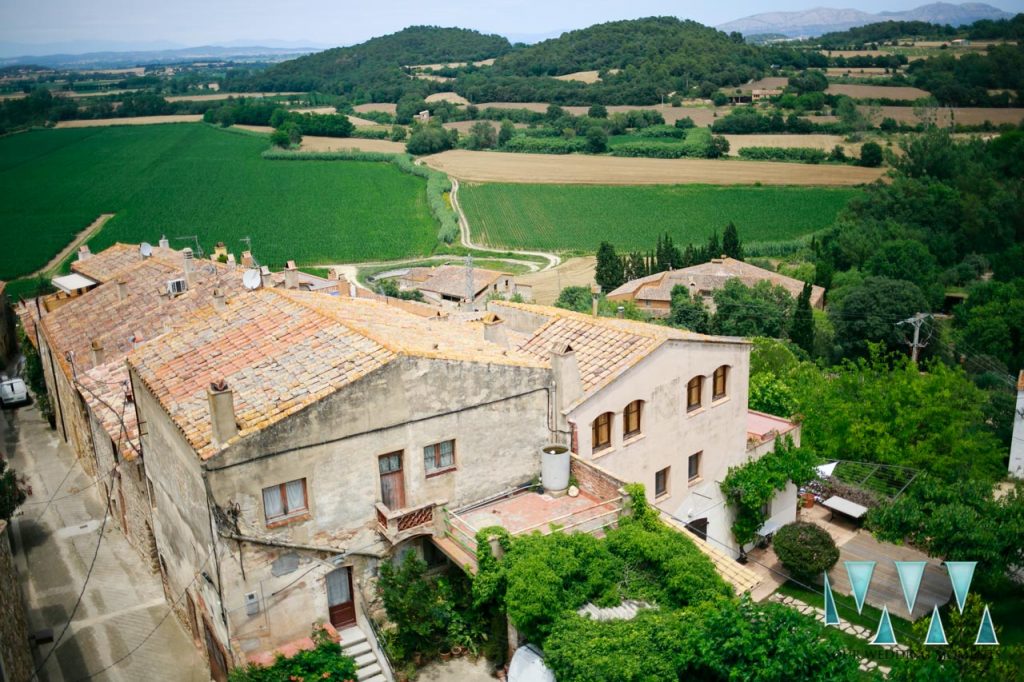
871, 155
545, 145
324, 661
805, 550
800, 154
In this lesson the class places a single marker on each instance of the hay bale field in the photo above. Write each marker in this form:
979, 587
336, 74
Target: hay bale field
609, 170
453, 97
386, 107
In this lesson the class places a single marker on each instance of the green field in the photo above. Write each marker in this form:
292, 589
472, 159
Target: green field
193, 179
580, 217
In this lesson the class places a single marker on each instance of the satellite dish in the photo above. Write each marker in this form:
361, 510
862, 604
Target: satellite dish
146, 249
251, 279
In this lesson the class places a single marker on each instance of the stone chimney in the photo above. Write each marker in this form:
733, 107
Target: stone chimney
219, 300
353, 290
164, 243
219, 250
231, 261
291, 276
222, 412
247, 261
98, 355
568, 383
620, 312
333, 275
1017, 441
595, 297
84, 252
188, 263
122, 288
266, 280
494, 330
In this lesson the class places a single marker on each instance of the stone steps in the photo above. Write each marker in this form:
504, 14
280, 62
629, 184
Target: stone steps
355, 644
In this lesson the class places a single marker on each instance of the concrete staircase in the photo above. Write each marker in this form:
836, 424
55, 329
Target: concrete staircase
354, 643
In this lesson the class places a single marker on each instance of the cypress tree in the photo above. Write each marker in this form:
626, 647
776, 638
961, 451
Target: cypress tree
801, 331
731, 244
713, 249
609, 274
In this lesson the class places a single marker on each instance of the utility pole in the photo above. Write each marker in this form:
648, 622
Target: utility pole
916, 322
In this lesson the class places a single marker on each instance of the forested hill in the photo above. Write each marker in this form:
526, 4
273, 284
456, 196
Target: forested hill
372, 70
883, 31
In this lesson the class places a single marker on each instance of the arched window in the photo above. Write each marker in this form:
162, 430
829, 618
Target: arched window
720, 379
693, 390
602, 431
631, 418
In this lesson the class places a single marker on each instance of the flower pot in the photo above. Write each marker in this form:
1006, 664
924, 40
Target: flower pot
808, 500
417, 658
458, 651
446, 655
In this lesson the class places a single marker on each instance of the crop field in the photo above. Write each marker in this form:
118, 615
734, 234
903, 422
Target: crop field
573, 217
944, 115
876, 91
183, 179
607, 170
814, 140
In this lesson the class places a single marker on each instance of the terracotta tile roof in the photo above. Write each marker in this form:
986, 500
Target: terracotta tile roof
104, 390
605, 346
107, 264
450, 280
119, 323
762, 427
29, 316
709, 277
282, 350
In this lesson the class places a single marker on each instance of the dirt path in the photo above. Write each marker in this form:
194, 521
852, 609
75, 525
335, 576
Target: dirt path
79, 239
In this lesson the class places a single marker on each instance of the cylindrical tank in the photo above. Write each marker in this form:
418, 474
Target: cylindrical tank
554, 468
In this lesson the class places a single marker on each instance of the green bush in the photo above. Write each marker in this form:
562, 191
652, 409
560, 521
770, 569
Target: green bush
324, 661
805, 550
545, 145
800, 154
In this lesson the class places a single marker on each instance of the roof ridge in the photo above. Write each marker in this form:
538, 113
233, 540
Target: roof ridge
300, 298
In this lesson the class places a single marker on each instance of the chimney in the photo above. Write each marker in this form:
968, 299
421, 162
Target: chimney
222, 412
247, 261
164, 243
333, 275
219, 300
219, 250
1017, 442
231, 261
266, 281
122, 289
291, 276
568, 384
84, 252
620, 312
353, 290
494, 330
98, 356
188, 263
595, 297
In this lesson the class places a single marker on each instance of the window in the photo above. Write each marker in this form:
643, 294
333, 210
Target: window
693, 391
661, 482
392, 484
693, 470
439, 457
287, 499
721, 374
631, 418
602, 427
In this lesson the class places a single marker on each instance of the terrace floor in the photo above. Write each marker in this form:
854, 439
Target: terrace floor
529, 511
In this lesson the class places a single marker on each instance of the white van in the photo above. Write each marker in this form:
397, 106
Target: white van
12, 392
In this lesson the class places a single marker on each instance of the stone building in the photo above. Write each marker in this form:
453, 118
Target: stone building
15, 655
655, 405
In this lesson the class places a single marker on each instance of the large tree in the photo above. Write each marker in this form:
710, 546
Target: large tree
801, 329
688, 312
761, 310
869, 313
609, 274
731, 244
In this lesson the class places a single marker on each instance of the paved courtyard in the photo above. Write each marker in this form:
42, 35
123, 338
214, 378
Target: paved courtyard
123, 602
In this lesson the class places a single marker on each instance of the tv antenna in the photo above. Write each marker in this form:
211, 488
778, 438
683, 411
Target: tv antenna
195, 240
251, 279
146, 249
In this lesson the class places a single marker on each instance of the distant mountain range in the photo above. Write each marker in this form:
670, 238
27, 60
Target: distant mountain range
118, 59
814, 22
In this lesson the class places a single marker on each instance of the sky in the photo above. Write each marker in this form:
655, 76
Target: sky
134, 24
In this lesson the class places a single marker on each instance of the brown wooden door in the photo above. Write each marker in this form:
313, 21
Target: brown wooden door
392, 485
698, 527
218, 661
341, 605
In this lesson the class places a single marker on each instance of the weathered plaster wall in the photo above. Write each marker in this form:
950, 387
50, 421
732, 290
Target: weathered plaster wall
69, 407
15, 654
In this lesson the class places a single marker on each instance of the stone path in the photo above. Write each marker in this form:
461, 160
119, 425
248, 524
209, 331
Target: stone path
858, 631
122, 602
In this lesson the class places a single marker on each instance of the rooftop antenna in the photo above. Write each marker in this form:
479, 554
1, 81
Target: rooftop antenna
195, 240
146, 249
251, 279
248, 247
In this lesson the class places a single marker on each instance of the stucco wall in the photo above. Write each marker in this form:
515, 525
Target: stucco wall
15, 654
670, 434
72, 419
129, 493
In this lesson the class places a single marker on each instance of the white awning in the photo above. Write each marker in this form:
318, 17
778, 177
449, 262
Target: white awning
73, 282
827, 469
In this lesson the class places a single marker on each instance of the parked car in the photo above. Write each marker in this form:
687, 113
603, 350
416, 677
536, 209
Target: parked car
12, 392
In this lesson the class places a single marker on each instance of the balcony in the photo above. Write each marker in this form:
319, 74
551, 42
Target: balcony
401, 524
